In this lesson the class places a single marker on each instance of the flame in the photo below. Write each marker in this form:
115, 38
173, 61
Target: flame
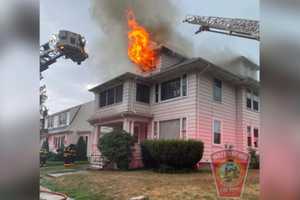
141, 49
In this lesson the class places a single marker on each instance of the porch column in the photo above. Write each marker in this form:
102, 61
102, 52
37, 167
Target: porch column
94, 139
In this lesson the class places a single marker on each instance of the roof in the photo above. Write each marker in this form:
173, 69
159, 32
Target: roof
78, 118
187, 64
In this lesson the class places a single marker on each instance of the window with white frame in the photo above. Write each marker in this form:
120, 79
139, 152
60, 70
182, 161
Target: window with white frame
111, 96
252, 100
62, 119
249, 136
183, 128
217, 90
255, 136
51, 122
169, 129
217, 132
171, 89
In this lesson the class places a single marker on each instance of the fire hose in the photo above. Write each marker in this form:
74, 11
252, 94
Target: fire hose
64, 197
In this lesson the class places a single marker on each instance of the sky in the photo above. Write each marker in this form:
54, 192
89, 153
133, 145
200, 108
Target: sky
67, 83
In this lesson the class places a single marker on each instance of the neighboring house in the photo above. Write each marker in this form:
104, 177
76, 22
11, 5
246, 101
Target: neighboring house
65, 127
183, 99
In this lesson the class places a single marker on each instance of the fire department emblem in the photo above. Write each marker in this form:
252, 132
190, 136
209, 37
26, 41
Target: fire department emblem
230, 168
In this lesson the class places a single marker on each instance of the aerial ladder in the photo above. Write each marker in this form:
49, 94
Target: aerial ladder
65, 43
229, 26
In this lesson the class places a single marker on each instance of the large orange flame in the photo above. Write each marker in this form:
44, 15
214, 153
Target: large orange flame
140, 47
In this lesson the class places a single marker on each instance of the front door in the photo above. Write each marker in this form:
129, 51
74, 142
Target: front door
140, 131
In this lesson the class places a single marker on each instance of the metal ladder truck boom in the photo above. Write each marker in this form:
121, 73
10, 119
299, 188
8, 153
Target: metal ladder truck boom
230, 26
65, 43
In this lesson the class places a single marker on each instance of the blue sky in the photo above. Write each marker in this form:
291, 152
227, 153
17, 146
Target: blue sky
67, 82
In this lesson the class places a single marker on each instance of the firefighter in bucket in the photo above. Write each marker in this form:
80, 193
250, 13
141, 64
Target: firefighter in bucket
69, 155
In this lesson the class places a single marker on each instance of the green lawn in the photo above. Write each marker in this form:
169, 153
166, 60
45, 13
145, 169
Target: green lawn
109, 185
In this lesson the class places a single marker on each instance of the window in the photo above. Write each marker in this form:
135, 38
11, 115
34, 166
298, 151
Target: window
183, 128
249, 99
184, 85
142, 93
50, 122
252, 100
255, 134
169, 129
217, 90
249, 136
155, 127
217, 132
255, 101
119, 93
62, 119
72, 40
156, 93
111, 96
170, 89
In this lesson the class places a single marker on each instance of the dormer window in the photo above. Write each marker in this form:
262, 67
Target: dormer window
62, 119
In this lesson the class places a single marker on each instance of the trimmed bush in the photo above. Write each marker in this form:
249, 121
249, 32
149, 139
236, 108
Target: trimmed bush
171, 154
254, 159
116, 147
45, 145
81, 148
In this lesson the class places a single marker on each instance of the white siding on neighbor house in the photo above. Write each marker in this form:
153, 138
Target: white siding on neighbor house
114, 108
210, 110
184, 106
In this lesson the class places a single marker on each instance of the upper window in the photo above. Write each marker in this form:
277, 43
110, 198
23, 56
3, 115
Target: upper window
111, 96
217, 132
62, 119
50, 122
252, 99
142, 93
217, 90
171, 89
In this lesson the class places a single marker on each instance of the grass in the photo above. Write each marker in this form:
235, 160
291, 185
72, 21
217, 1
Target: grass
110, 185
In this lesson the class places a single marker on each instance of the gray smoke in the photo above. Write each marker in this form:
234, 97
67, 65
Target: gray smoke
158, 17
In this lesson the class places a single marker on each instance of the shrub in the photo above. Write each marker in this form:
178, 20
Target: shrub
116, 147
81, 147
254, 159
172, 154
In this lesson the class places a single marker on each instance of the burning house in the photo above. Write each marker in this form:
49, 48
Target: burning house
177, 97
182, 98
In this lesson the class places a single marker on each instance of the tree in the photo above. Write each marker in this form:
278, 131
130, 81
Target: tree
81, 149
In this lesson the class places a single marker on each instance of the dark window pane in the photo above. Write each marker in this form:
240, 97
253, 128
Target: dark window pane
217, 91
249, 103
72, 40
110, 96
184, 85
119, 93
156, 92
143, 93
217, 138
170, 89
249, 141
255, 105
255, 132
103, 98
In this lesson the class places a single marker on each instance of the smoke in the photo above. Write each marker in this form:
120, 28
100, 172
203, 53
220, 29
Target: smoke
160, 18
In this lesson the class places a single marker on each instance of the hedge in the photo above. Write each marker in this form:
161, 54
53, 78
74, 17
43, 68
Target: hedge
116, 147
171, 154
